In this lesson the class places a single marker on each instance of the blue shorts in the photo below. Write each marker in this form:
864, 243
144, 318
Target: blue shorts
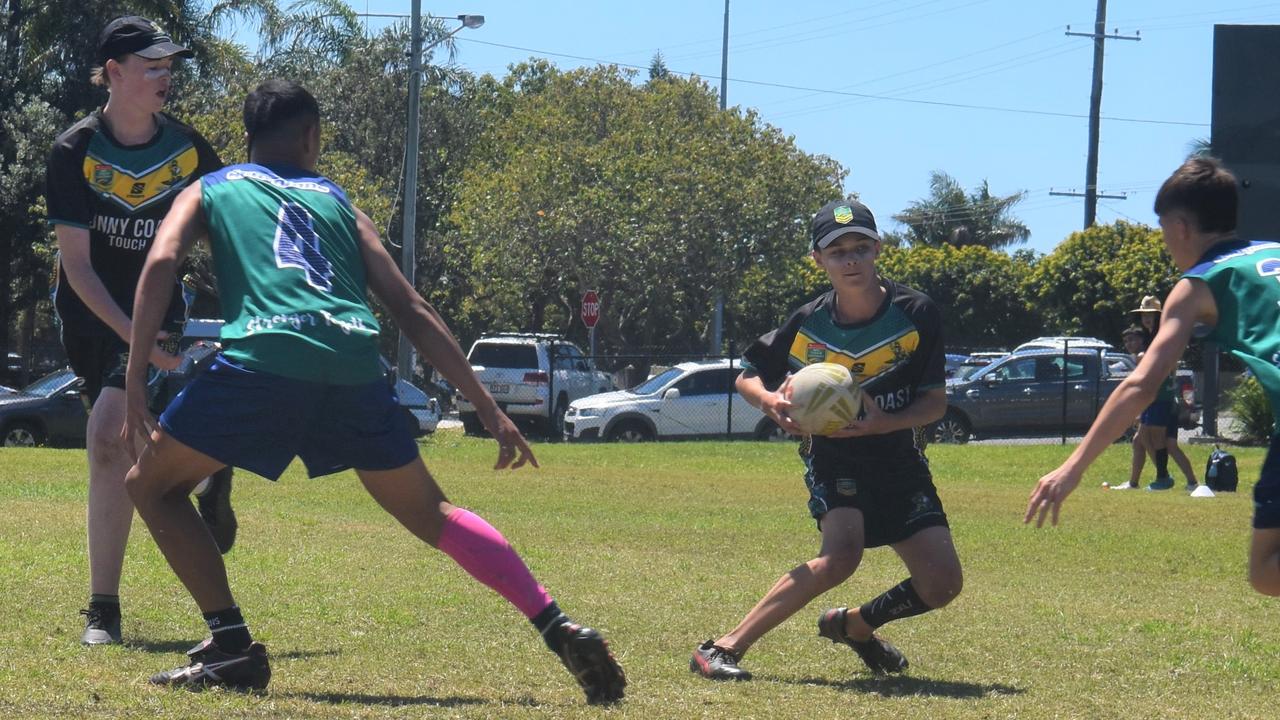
1159, 414
260, 422
1266, 494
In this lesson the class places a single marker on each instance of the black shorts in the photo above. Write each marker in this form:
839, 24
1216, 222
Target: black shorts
99, 359
895, 493
1266, 494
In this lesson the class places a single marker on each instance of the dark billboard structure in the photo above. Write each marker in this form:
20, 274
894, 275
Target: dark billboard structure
1246, 137
1246, 120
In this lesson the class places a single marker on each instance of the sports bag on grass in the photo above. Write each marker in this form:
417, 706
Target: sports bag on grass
1220, 473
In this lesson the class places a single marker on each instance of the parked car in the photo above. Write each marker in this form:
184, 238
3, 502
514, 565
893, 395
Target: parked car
1022, 393
424, 408
976, 361
48, 411
953, 363
533, 377
688, 400
1056, 342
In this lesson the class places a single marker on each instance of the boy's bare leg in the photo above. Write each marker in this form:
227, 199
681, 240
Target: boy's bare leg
160, 485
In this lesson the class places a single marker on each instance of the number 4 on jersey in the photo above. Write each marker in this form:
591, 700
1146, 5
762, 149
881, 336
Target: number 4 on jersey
298, 246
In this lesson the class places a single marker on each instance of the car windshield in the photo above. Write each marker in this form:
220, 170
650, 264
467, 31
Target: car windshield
650, 386
503, 355
48, 384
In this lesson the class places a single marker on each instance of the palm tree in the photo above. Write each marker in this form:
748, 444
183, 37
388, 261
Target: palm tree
950, 216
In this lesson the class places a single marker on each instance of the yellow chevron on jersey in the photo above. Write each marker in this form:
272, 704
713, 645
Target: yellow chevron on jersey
135, 190
865, 364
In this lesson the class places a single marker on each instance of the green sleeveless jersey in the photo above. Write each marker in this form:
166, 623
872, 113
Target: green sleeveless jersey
1244, 278
291, 279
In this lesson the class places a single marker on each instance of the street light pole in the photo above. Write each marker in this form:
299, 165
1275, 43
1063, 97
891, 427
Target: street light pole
717, 316
408, 241
404, 353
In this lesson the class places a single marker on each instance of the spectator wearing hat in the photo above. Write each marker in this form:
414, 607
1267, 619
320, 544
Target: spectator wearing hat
111, 178
1147, 315
1157, 429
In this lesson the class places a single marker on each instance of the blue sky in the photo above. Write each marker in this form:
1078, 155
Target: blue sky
913, 58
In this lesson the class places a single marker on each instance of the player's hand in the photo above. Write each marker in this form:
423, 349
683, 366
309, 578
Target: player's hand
874, 421
1050, 493
777, 405
513, 449
139, 423
160, 358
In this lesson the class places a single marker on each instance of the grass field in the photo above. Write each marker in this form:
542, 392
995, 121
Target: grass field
1136, 607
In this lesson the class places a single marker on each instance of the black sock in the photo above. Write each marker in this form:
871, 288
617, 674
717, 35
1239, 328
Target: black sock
898, 602
546, 622
107, 605
230, 633
1162, 464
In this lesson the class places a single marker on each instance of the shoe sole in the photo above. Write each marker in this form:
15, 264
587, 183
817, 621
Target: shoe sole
257, 652
598, 673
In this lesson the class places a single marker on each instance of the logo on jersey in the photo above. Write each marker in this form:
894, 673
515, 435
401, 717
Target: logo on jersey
103, 176
134, 190
815, 353
298, 246
865, 363
847, 487
844, 214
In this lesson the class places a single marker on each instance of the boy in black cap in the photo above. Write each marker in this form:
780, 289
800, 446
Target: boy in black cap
111, 179
869, 483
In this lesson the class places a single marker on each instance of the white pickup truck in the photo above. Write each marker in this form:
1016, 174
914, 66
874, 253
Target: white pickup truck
533, 377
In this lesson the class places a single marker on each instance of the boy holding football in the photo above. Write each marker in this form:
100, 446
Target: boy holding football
869, 483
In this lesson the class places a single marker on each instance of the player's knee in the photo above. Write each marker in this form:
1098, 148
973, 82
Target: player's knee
831, 570
941, 587
1265, 577
107, 447
135, 484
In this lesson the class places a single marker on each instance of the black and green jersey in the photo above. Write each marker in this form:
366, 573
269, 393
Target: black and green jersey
119, 193
1244, 277
291, 278
894, 356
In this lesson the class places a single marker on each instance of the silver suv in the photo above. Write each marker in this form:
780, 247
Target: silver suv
533, 377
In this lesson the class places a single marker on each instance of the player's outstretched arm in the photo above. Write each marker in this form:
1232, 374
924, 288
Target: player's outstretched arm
182, 226
1189, 302
431, 336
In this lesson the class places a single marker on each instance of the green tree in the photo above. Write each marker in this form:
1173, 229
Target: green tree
1088, 284
649, 194
979, 291
950, 216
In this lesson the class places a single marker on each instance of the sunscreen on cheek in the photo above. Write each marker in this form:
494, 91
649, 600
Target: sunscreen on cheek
156, 73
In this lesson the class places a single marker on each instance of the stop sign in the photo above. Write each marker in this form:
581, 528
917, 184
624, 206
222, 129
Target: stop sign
590, 309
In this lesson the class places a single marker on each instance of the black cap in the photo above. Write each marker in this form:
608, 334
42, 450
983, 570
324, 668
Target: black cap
137, 35
839, 217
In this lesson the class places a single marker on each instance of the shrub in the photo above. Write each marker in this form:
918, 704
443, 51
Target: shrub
1252, 411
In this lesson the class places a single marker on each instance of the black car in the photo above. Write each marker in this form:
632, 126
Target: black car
49, 411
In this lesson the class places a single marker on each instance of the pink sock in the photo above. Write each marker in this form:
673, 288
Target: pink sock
487, 556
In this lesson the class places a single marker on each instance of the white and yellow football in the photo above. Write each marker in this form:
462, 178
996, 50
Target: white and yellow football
824, 398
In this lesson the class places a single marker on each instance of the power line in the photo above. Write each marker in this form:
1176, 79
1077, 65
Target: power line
869, 96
